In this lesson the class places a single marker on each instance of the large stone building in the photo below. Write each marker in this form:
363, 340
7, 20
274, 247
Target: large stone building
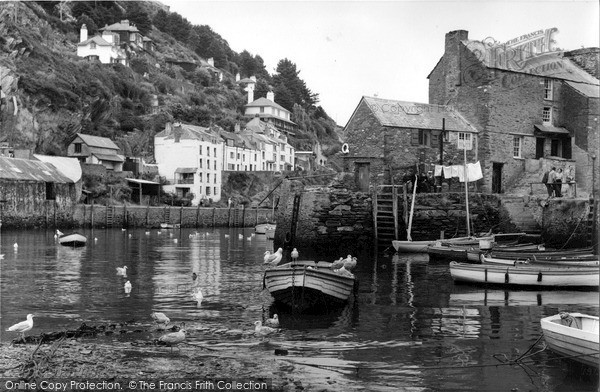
534, 106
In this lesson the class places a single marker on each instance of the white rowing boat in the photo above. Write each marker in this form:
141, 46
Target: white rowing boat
573, 335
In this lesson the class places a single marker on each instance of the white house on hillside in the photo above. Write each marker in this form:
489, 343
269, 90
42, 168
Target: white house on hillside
277, 153
242, 153
104, 48
269, 111
191, 159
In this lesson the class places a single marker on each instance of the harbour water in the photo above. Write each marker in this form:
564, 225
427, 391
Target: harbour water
408, 328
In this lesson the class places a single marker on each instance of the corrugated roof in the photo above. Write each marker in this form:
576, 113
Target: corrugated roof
402, 114
109, 157
550, 64
98, 141
70, 167
588, 90
30, 170
265, 102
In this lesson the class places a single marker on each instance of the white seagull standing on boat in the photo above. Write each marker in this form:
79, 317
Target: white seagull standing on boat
259, 329
294, 255
349, 265
160, 319
275, 258
267, 255
22, 327
174, 338
337, 264
273, 322
58, 233
122, 271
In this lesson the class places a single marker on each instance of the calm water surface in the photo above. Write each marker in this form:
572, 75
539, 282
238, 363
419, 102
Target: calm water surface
409, 328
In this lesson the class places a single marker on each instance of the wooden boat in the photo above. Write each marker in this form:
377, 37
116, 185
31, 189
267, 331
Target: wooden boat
525, 275
270, 233
573, 335
306, 285
263, 227
72, 239
584, 261
411, 246
170, 225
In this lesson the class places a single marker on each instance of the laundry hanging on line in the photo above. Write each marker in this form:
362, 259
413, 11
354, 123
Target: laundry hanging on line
474, 172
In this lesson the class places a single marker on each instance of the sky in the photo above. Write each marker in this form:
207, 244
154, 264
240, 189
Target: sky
347, 49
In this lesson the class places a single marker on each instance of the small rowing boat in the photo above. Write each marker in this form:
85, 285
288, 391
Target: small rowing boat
72, 239
573, 335
582, 261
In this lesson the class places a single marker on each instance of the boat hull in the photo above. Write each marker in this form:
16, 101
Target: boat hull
525, 275
306, 286
411, 246
73, 240
263, 227
579, 343
555, 261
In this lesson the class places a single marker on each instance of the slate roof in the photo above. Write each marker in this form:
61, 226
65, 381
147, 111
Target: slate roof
589, 90
109, 157
414, 115
187, 131
98, 141
120, 26
265, 102
30, 170
97, 39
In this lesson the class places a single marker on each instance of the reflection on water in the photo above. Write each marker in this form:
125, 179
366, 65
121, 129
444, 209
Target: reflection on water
409, 325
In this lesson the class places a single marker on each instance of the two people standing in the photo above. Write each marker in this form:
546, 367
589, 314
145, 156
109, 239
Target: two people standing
553, 180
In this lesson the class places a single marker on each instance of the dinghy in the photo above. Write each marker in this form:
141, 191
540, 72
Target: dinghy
573, 335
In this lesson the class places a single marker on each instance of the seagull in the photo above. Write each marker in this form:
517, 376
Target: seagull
174, 338
259, 329
337, 264
123, 229
130, 235
95, 239
197, 295
267, 255
240, 236
273, 322
23, 326
160, 318
349, 265
175, 240
127, 287
16, 246
147, 233
294, 254
122, 270
58, 234
275, 258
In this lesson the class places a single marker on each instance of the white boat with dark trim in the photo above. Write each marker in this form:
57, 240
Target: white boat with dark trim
574, 336
305, 285
262, 228
73, 240
525, 275
573, 261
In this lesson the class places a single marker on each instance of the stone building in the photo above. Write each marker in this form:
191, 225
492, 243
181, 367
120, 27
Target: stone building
385, 138
534, 106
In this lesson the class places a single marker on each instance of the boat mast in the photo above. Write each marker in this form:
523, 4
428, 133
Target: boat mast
466, 185
412, 208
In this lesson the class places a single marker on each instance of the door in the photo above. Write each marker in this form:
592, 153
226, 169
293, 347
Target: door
362, 173
539, 147
497, 177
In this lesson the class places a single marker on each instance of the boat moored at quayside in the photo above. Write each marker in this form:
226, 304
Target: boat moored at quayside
573, 261
308, 286
525, 275
573, 336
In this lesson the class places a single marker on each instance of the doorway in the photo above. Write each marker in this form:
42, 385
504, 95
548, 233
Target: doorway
497, 177
539, 147
362, 176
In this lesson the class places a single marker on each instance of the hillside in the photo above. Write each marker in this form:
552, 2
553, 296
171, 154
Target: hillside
49, 94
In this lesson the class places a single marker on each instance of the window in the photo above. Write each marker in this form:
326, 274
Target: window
215, 152
200, 177
50, 191
423, 137
547, 114
517, 146
464, 141
92, 45
255, 157
231, 155
77, 148
207, 177
207, 191
238, 155
548, 89
200, 163
207, 151
215, 190
215, 165
200, 150
263, 155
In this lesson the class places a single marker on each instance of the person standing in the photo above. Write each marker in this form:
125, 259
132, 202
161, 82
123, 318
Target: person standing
551, 179
558, 183
570, 179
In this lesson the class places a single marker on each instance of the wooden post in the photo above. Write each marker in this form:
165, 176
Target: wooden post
148, 214
405, 205
92, 214
256, 216
228, 217
395, 210
125, 220
375, 212
243, 215
213, 217
54, 204
180, 216
197, 216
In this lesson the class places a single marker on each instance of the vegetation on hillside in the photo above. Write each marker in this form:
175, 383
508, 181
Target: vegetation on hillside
59, 94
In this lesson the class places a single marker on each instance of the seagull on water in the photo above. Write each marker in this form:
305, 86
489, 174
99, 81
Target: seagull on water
174, 338
22, 327
160, 319
122, 270
197, 295
275, 258
127, 287
260, 329
294, 255
240, 236
16, 246
273, 322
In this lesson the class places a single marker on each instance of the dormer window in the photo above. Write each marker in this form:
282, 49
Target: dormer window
92, 45
548, 89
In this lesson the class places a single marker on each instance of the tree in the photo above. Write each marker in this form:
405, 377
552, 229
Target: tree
139, 17
287, 81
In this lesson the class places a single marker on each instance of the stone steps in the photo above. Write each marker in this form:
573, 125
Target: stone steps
520, 215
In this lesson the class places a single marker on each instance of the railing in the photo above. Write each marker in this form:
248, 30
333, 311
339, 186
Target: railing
185, 181
572, 183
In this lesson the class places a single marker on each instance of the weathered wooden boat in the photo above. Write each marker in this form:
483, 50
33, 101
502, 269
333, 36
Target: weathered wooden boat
411, 246
583, 261
574, 336
262, 228
73, 240
525, 275
542, 253
474, 253
305, 285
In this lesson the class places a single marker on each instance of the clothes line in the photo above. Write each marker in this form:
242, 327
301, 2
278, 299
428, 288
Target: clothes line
474, 172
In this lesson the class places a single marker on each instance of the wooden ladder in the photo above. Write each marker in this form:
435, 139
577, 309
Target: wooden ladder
110, 216
167, 215
385, 209
591, 219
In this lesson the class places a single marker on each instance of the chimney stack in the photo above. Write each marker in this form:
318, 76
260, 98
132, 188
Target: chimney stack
237, 77
271, 96
211, 62
83, 34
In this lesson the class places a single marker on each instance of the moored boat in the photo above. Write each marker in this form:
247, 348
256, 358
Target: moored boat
525, 275
170, 225
411, 246
262, 228
573, 335
583, 261
306, 285
270, 233
72, 239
